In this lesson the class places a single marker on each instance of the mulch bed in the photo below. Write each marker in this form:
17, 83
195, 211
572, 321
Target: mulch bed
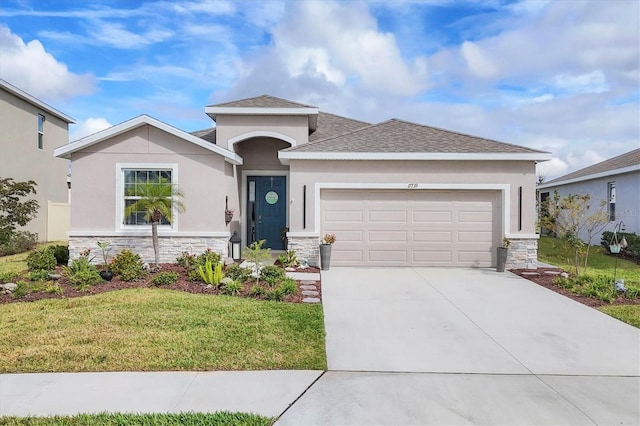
183, 284
545, 277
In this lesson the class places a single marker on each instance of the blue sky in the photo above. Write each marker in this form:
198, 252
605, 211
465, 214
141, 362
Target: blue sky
560, 76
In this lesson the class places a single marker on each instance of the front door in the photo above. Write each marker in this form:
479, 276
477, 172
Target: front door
267, 210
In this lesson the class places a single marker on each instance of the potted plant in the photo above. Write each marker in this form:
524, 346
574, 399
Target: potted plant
502, 254
325, 251
106, 272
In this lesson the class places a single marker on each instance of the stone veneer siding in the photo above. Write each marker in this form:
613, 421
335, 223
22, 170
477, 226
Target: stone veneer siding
306, 248
170, 247
523, 253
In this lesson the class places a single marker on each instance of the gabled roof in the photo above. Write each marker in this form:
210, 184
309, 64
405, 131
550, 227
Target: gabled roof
331, 125
624, 163
263, 105
208, 135
35, 101
262, 101
403, 140
66, 150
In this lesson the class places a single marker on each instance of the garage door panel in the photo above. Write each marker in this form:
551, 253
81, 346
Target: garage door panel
412, 227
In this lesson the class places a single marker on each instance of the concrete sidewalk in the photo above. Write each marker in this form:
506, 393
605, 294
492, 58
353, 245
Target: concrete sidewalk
268, 393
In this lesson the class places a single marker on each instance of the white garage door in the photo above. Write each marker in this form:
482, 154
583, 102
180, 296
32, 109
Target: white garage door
412, 227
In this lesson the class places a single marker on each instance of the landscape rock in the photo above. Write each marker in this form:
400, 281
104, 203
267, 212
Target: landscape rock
308, 287
564, 275
311, 300
226, 280
228, 261
310, 293
55, 276
9, 286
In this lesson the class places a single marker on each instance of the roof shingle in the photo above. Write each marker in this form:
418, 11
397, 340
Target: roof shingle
628, 159
403, 136
263, 101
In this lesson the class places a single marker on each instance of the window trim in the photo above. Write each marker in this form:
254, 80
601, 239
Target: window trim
611, 200
119, 202
41, 121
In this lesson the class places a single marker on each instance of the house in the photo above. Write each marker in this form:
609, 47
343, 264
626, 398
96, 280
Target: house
615, 181
29, 131
394, 193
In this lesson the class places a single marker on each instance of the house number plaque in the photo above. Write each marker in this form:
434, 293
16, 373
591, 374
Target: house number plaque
271, 197
412, 185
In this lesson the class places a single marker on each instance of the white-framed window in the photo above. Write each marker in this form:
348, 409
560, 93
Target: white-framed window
611, 190
41, 119
128, 177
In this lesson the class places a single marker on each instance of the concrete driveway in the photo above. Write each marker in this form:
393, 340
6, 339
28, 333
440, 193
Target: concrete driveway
467, 346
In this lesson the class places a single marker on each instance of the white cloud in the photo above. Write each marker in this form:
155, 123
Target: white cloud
593, 82
115, 35
88, 127
477, 61
31, 68
552, 168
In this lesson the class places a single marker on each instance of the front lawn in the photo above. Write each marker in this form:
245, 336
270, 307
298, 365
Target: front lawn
149, 329
107, 419
625, 313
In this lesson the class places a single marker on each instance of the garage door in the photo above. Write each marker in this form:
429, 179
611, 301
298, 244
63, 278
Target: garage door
412, 227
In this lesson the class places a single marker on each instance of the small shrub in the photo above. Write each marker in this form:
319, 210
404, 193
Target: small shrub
82, 274
272, 275
595, 286
633, 292
193, 273
40, 275
53, 288
18, 242
232, 288
211, 274
7, 277
61, 253
236, 273
128, 266
288, 259
165, 278
41, 259
186, 259
275, 294
256, 290
288, 286
21, 291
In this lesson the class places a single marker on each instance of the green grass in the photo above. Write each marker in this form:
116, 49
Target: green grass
625, 313
104, 419
154, 329
558, 252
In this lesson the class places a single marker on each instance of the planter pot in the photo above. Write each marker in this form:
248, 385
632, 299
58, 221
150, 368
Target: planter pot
615, 248
502, 258
106, 275
325, 256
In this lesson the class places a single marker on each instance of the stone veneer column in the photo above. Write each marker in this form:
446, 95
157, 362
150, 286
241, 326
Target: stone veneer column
306, 248
170, 247
523, 253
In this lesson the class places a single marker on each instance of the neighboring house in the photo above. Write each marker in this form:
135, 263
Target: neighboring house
394, 193
615, 181
29, 131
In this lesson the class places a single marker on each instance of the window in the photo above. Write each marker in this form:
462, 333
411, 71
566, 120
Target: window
612, 201
132, 179
41, 119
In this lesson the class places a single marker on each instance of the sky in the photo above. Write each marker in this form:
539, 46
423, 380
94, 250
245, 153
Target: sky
558, 76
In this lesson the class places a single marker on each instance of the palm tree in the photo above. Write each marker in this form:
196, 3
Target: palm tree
157, 200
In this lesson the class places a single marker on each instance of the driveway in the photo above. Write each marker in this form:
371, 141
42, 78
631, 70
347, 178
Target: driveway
467, 346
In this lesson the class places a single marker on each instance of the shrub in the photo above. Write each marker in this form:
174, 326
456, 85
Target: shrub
288, 259
186, 259
40, 275
61, 253
128, 266
41, 259
193, 273
595, 286
288, 286
165, 278
237, 273
7, 277
276, 294
82, 274
272, 275
211, 274
53, 288
232, 288
18, 242
256, 290
21, 291
633, 292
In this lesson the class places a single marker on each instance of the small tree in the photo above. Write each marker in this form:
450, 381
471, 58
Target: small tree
570, 218
257, 255
157, 200
13, 210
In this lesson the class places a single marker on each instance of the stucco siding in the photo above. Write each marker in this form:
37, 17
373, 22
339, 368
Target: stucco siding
21, 159
200, 174
513, 174
627, 198
233, 126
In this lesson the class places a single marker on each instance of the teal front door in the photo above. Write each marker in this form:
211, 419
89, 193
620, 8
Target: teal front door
267, 210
